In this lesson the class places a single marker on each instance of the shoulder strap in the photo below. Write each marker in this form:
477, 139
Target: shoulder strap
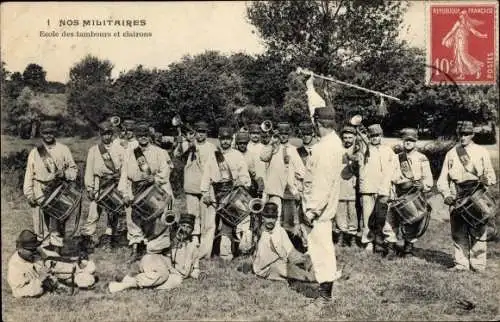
286, 157
106, 157
219, 157
46, 157
141, 160
302, 151
405, 165
465, 160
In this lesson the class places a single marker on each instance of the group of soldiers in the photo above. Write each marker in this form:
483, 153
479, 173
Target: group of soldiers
330, 186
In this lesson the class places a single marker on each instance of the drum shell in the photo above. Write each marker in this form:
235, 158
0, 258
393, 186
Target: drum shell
477, 208
151, 203
234, 207
61, 203
111, 200
411, 208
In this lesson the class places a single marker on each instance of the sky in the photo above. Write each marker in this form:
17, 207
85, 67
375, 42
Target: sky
177, 29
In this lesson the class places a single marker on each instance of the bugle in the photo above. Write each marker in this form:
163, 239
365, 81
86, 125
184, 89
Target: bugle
256, 205
115, 120
169, 218
177, 122
362, 143
266, 126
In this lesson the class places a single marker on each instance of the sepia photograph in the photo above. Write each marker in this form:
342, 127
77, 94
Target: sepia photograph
313, 160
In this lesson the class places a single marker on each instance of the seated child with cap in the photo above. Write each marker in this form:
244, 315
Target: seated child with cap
30, 274
275, 256
168, 260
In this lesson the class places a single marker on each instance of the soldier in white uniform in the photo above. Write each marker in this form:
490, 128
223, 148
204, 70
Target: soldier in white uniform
49, 164
275, 257
104, 162
465, 166
168, 263
30, 275
144, 166
321, 202
347, 217
375, 183
414, 175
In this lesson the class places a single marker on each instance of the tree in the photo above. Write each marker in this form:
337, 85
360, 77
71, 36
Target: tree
89, 89
34, 77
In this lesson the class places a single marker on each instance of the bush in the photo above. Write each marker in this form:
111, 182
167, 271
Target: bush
435, 152
13, 167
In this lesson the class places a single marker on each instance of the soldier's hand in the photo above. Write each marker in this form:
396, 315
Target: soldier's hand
206, 199
383, 199
449, 200
32, 202
309, 217
418, 184
296, 230
91, 194
484, 180
260, 185
59, 174
150, 179
127, 201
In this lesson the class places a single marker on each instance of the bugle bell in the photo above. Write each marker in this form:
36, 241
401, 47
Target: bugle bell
115, 120
177, 122
169, 218
256, 205
266, 126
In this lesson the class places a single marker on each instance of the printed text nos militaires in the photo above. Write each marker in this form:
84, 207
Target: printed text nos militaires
102, 22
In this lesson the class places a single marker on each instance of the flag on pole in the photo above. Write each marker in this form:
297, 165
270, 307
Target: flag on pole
314, 100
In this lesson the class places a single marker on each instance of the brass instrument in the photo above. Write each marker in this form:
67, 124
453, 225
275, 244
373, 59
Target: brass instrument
177, 122
256, 205
169, 218
266, 126
115, 120
362, 143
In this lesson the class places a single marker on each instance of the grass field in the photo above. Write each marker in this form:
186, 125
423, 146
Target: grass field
404, 289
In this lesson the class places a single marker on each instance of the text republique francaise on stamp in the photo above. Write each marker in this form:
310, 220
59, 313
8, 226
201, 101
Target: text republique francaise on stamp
463, 43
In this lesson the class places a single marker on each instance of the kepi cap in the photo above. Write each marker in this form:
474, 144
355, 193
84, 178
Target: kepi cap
409, 134
324, 113
242, 137
128, 124
465, 127
270, 210
284, 127
105, 126
28, 240
186, 218
142, 129
375, 129
201, 126
306, 128
254, 128
225, 132
348, 129
48, 126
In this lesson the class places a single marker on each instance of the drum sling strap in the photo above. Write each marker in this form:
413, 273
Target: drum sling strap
47, 159
465, 160
221, 189
405, 166
143, 167
108, 162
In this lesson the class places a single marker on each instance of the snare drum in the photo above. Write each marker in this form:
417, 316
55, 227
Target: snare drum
477, 208
234, 207
110, 199
411, 207
151, 203
62, 201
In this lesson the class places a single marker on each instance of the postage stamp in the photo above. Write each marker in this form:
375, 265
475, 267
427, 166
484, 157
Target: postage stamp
463, 43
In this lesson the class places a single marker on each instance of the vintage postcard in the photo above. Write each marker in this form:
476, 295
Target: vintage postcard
250, 160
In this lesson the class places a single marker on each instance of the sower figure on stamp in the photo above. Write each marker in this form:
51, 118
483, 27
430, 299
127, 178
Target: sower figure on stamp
413, 176
225, 170
346, 219
284, 178
170, 258
375, 183
144, 166
467, 172
29, 274
321, 202
195, 152
49, 165
102, 173
275, 257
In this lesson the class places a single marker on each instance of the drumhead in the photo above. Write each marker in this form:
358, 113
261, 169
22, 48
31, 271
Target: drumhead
143, 194
106, 191
53, 195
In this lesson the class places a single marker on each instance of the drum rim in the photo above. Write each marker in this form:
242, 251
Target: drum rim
143, 194
108, 189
